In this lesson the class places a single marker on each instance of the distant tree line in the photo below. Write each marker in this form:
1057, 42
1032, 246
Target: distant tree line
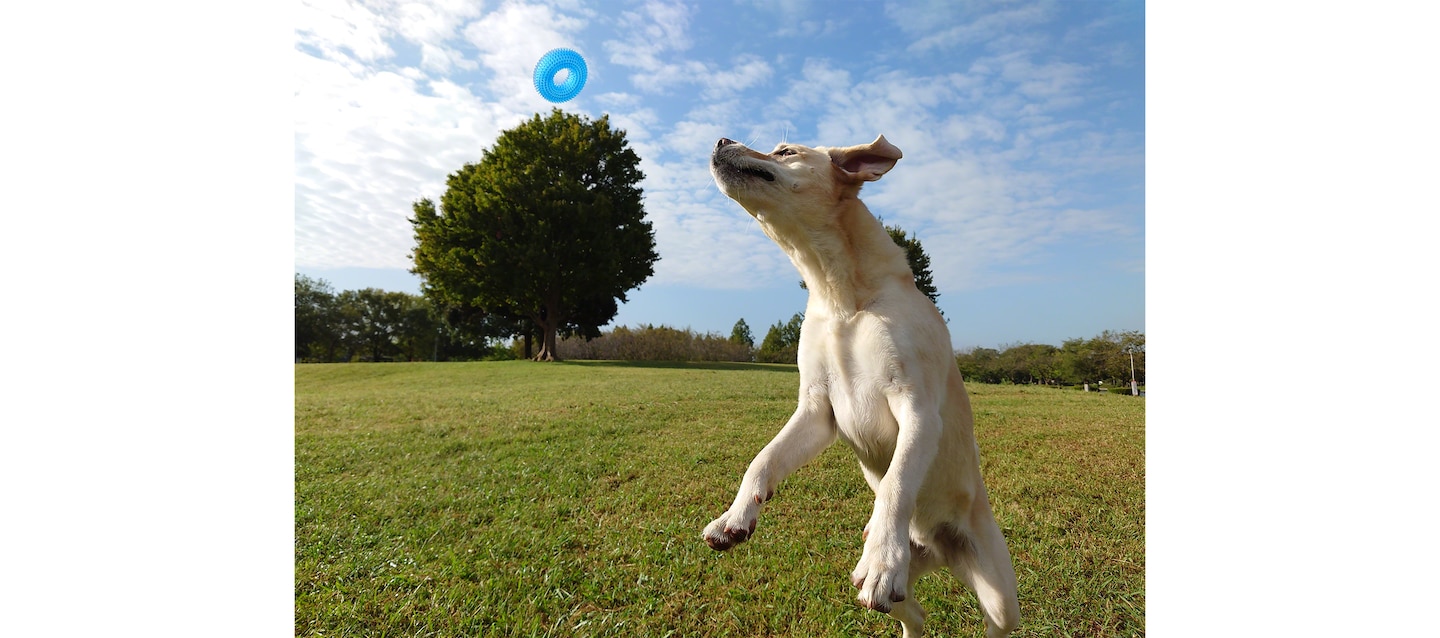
376, 325
782, 342
656, 343
1104, 358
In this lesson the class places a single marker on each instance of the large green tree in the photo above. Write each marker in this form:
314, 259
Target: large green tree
548, 227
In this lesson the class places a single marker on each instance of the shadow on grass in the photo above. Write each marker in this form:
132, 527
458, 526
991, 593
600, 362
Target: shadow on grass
686, 365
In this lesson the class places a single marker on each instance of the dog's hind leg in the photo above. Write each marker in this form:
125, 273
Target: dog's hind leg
909, 612
982, 562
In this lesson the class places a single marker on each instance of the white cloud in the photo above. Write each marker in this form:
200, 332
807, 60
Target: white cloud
342, 29
693, 140
811, 28
369, 143
818, 85
511, 40
374, 135
705, 239
995, 166
652, 34
1057, 84
798, 18
655, 39
748, 71
335, 25
961, 128
636, 123
666, 27
967, 185
943, 24
433, 23
711, 244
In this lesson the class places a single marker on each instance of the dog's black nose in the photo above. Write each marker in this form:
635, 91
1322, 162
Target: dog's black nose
724, 141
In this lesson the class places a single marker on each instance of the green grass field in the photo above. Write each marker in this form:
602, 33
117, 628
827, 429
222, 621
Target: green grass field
525, 499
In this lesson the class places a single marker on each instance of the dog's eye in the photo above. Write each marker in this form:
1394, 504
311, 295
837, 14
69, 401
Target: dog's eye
784, 151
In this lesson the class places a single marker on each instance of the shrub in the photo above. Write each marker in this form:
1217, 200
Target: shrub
655, 343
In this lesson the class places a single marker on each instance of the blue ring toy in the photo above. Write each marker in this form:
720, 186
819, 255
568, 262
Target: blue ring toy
549, 65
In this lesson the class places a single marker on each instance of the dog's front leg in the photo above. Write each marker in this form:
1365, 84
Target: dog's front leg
882, 575
808, 432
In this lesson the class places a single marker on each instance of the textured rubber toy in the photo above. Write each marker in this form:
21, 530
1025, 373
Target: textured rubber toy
549, 65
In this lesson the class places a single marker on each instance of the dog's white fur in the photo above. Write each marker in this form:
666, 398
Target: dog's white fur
876, 371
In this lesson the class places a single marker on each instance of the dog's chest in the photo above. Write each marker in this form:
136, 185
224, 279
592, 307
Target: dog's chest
858, 389
857, 361
865, 422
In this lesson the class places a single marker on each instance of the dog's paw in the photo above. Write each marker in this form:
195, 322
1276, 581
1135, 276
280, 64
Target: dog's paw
882, 576
729, 530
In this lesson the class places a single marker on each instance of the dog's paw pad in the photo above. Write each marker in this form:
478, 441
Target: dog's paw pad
720, 535
881, 581
883, 608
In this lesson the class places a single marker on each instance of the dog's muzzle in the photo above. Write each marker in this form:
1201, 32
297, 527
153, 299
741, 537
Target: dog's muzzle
731, 163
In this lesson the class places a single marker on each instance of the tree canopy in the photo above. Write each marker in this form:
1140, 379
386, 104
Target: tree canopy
782, 342
741, 334
377, 325
549, 227
1102, 358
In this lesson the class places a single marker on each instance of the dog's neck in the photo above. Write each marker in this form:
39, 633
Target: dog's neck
848, 266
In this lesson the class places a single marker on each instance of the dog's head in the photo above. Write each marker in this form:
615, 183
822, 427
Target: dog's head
795, 180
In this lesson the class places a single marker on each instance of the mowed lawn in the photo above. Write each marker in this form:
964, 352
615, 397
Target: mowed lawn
528, 499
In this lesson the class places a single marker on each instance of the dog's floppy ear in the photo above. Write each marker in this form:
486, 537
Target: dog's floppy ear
866, 161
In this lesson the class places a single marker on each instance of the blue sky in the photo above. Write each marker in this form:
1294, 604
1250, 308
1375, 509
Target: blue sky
1022, 124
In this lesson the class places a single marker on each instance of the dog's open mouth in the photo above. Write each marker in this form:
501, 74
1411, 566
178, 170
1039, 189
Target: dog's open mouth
736, 170
732, 160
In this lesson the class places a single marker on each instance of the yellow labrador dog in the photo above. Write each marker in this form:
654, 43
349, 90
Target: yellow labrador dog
876, 371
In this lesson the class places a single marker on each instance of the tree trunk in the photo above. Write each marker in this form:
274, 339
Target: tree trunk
547, 345
528, 349
549, 325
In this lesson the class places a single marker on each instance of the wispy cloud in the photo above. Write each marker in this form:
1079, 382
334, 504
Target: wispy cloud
657, 35
511, 39
374, 133
789, 18
352, 32
1002, 149
985, 152
944, 24
368, 145
342, 31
